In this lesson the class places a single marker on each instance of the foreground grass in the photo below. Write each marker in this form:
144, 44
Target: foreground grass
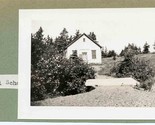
107, 96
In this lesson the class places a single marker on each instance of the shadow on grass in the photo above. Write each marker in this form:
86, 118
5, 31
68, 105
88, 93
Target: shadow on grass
75, 92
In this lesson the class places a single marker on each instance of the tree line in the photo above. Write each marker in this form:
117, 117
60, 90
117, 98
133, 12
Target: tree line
61, 41
130, 47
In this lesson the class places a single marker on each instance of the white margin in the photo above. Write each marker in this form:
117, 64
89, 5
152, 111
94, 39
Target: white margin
25, 111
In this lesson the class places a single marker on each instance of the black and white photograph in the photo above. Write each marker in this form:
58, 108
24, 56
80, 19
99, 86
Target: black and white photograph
89, 58
93, 60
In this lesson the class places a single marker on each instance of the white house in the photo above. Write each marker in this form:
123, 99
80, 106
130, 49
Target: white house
86, 48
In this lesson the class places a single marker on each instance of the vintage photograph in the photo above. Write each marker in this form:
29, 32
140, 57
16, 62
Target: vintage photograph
104, 58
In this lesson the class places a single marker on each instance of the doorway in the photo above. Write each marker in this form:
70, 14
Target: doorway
85, 56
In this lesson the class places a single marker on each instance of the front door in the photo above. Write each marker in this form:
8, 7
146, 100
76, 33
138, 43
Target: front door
85, 56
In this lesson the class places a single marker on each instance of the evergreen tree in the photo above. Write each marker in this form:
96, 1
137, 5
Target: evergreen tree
146, 48
39, 34
37, 47
62, 41
49, 41
77, 34
111, 53
132, 49
64, 35
122, 53
70, 39
104, 52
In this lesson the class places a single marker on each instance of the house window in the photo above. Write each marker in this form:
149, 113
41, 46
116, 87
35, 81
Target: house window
80, 56
74, 52
93, 54
83, 39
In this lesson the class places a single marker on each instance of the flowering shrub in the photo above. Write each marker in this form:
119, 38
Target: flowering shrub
59, 76
52, 74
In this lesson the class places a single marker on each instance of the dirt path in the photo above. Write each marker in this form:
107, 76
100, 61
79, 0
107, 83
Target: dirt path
97, 68
120, 96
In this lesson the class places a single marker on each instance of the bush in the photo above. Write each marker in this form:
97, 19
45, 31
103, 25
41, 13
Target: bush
53, 75
60, 76
139, 69
147, 85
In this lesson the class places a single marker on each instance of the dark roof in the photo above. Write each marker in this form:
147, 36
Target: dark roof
80, 37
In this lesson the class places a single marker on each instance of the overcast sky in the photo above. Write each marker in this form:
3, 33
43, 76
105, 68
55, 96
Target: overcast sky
114, 28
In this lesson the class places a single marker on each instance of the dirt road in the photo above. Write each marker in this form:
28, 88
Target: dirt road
107, 96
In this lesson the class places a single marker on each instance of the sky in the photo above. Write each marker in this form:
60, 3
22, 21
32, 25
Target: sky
114, 28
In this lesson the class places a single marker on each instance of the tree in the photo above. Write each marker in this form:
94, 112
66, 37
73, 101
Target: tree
70, 39
62, 41
122, 53
131, 49
39, 34
48, 41
104, 52
92, 36
146, 48
37, 47
64, 35
77, 34
111, 53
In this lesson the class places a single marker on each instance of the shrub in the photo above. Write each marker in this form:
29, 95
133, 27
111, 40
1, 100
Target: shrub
60, 76
53, 75
147, 85
139, 69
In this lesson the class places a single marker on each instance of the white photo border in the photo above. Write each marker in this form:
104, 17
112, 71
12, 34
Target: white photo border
26, 111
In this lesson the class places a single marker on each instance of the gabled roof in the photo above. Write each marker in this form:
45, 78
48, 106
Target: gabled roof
80, 37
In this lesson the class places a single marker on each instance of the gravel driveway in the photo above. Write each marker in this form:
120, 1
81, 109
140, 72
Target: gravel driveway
113, 96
